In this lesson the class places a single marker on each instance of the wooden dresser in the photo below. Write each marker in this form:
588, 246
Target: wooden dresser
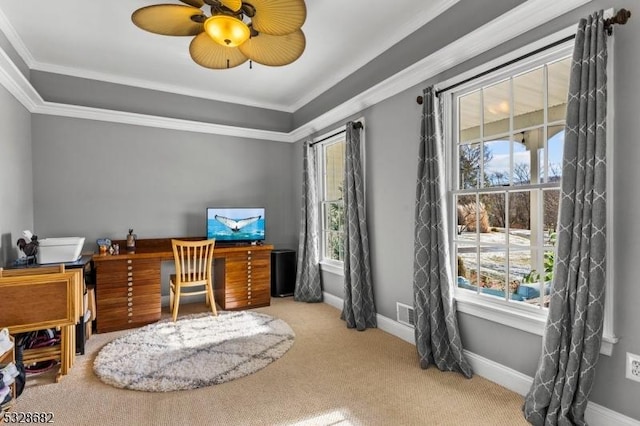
242, 279
128, 285
127, 293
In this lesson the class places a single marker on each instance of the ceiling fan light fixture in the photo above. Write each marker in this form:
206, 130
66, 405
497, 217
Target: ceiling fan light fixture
227, 30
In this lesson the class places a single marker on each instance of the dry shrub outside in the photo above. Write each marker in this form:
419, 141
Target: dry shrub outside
467, 217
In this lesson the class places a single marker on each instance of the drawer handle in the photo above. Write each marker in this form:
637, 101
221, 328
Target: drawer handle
248, 251
129, 268
249, 297
129, 274
130, 309
249, 302
130, 304
130, 299
130, 314
129, 321
129, 261
129, 294
249, 258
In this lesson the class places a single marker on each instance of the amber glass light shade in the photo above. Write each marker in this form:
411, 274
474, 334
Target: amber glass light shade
227, 30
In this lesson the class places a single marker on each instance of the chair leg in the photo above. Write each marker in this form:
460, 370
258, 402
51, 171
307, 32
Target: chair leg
211, 299
171, 297
176, 303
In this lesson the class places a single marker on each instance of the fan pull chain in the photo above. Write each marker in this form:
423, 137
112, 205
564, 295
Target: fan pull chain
250, 64
228, 63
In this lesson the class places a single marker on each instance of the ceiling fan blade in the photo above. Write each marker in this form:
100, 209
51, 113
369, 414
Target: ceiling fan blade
273, 50
194, 3
234, 5
206, 52
278, 17
168, 19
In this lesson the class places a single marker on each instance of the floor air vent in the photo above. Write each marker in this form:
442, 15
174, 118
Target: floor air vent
405, 314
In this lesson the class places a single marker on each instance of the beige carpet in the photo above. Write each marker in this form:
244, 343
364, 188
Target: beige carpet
331, 376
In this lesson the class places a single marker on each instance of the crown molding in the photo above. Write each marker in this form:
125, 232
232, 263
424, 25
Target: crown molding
15, 40
89, 113
529, 15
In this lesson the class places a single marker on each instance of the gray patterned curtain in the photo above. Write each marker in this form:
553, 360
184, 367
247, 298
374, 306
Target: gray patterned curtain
437, 336
573, 333
308, 286
359, 309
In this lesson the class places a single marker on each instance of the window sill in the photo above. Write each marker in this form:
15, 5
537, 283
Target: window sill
335, 268
522, 319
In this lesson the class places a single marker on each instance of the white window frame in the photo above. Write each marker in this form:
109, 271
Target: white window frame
338, 134
515, 315
326, 264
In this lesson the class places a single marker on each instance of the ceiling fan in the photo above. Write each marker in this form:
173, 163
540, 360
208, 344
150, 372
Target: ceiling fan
264, 31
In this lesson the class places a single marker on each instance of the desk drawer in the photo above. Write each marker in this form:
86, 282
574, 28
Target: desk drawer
120, 322
127, 293
123, 290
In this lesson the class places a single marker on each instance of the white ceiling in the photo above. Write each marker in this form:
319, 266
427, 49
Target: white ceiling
96, 39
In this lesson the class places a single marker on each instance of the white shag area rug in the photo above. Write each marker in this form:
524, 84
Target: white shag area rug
196, 351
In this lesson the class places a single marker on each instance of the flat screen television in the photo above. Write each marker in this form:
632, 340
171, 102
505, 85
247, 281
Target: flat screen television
236, 224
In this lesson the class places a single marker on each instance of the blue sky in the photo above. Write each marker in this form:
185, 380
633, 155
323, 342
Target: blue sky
500, 151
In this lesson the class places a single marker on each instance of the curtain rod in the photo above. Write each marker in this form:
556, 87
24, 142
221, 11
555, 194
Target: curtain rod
621, 18
356, 125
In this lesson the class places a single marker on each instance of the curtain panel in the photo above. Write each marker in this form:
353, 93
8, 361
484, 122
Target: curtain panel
436, 329
308, 287
359, 308
571, 344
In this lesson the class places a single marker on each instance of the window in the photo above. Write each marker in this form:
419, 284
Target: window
507, 150
331, 158
505, 135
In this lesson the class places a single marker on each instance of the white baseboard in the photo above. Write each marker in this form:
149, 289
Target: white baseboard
596, 415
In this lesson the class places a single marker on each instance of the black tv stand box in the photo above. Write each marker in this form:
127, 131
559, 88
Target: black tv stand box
283, 272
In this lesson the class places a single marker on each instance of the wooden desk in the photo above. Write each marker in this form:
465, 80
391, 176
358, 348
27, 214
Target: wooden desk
128, 285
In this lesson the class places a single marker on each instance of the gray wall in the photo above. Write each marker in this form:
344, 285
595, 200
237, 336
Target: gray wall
392, 129
16, 178
97, 179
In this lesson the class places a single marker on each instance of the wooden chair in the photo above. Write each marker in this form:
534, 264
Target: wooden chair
194, 264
